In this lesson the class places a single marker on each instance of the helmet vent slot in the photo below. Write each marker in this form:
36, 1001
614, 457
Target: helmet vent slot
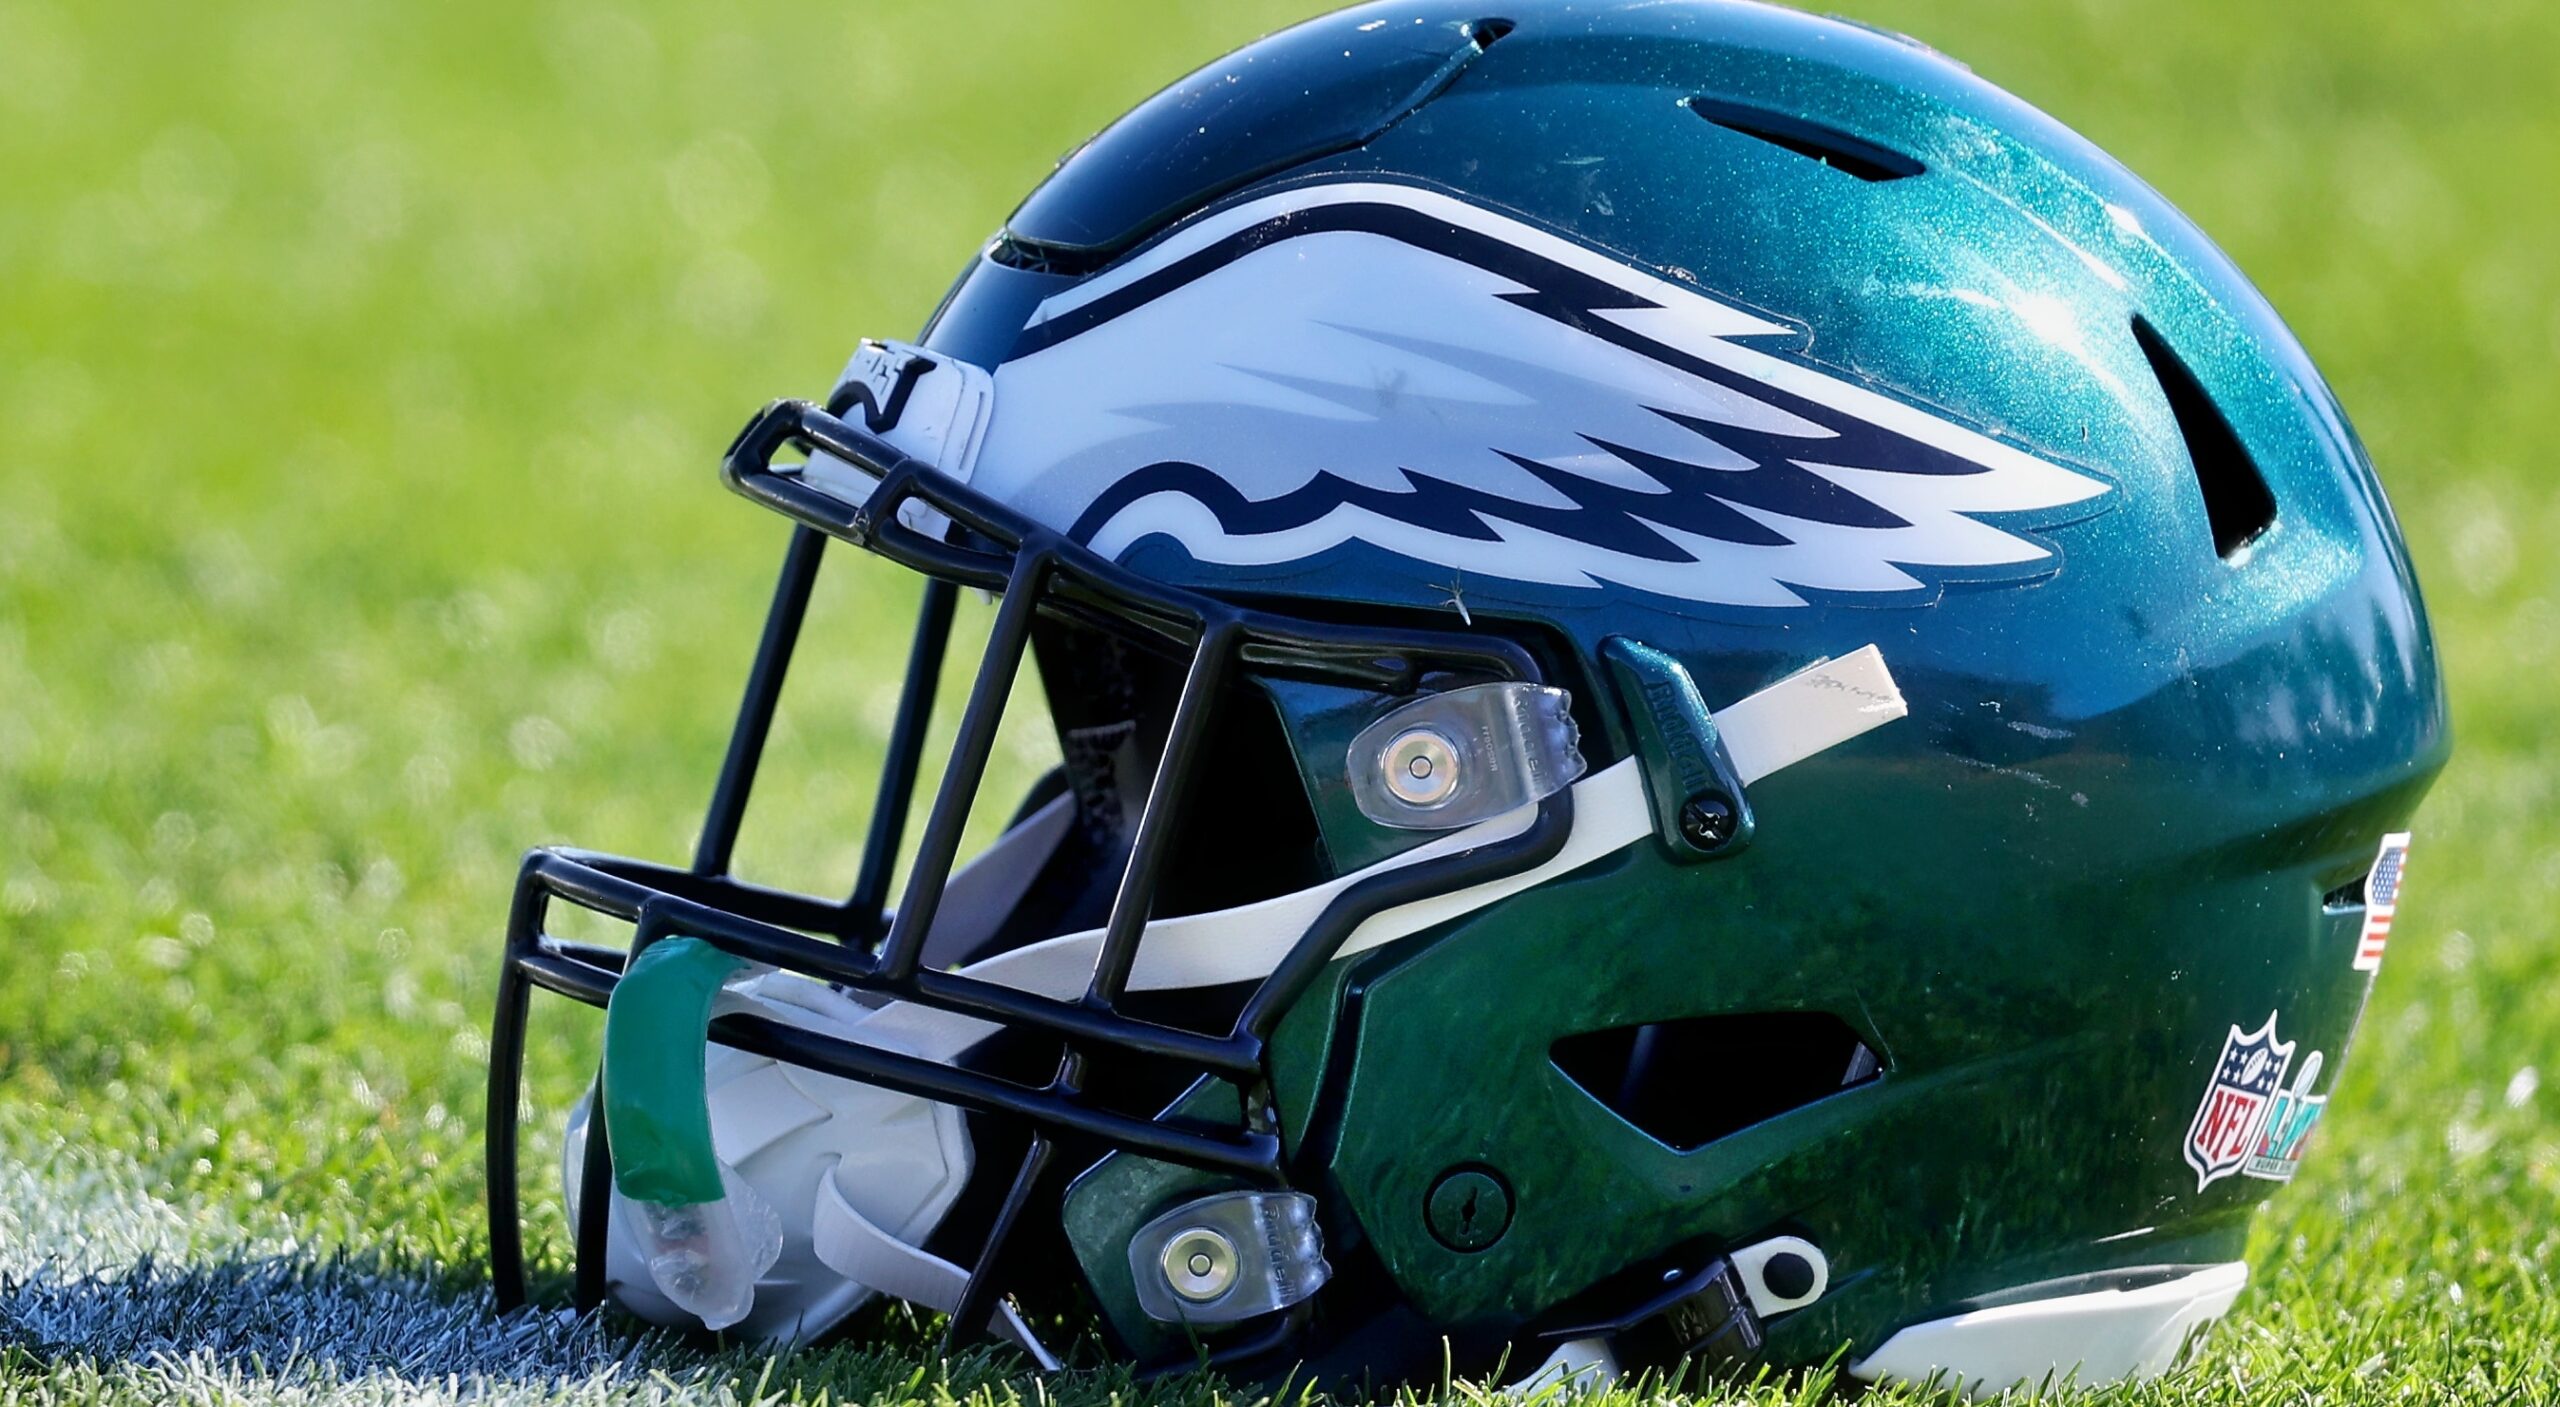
1689, 1082
1833, 148
2237, 504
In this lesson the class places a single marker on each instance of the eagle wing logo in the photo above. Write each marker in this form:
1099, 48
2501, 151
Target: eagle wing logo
1364, 362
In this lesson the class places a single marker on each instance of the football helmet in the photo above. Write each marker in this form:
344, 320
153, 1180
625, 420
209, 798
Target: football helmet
1720, 695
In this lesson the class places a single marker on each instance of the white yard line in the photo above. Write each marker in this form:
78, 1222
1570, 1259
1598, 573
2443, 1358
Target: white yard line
128, 1297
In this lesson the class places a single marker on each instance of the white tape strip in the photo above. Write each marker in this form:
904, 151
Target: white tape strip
1812, 710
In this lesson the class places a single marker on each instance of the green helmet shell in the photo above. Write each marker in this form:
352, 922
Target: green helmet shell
1951, 1012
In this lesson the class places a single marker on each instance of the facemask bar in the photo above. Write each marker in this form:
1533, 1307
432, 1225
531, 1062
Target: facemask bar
871, 949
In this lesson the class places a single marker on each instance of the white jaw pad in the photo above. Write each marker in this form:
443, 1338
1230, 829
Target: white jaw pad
2102, 1336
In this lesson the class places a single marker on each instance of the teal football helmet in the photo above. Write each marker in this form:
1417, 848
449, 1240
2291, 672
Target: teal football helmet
1720, 696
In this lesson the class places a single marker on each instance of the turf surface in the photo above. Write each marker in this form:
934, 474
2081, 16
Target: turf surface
361, 369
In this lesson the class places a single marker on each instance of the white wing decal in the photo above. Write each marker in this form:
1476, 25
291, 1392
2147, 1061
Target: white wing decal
1389, 365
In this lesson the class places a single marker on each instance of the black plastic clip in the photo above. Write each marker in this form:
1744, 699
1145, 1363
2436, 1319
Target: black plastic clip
1698, 805
1701, 1316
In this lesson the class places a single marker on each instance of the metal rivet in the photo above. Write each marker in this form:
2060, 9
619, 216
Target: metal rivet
1468, 1209
1707, 820
1421, 767
1200, 1264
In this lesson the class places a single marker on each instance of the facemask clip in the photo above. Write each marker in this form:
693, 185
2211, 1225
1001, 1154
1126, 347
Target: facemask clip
1452, 759
1229, 1257
1698, 805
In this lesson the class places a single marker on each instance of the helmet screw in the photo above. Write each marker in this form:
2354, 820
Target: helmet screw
1421, 767
1468, 1209
1200, 1264
1707, 820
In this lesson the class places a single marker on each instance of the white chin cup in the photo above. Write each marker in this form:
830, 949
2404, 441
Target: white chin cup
795, 1138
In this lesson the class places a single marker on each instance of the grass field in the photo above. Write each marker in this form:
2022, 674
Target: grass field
361, 373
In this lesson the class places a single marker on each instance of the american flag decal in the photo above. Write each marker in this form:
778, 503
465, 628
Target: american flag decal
2381, 898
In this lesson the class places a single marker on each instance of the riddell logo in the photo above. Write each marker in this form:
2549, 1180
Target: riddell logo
878, 383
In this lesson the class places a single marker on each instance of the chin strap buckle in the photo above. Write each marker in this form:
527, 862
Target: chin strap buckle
1702, 1316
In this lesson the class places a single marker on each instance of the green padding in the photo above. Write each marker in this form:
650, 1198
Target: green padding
657, 1113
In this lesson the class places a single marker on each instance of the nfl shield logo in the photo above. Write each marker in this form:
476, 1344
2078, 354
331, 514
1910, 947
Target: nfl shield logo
2245, 1081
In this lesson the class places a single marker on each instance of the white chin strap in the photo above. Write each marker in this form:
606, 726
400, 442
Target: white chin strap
847, 1242
863, 1176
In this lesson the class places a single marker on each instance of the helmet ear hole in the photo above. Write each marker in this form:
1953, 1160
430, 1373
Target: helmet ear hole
1689, 1082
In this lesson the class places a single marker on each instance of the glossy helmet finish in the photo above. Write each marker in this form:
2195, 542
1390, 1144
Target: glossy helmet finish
1957, 999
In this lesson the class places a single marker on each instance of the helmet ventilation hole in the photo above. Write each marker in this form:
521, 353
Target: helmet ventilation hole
1689, 1082
1830, 146
2237, 504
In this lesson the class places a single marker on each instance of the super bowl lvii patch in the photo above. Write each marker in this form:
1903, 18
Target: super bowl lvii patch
2277, 1150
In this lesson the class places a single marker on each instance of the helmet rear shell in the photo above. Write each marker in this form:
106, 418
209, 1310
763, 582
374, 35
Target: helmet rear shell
2101, 839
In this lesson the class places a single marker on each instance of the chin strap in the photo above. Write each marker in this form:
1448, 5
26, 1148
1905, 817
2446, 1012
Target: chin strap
848, 1243
1577, 1366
